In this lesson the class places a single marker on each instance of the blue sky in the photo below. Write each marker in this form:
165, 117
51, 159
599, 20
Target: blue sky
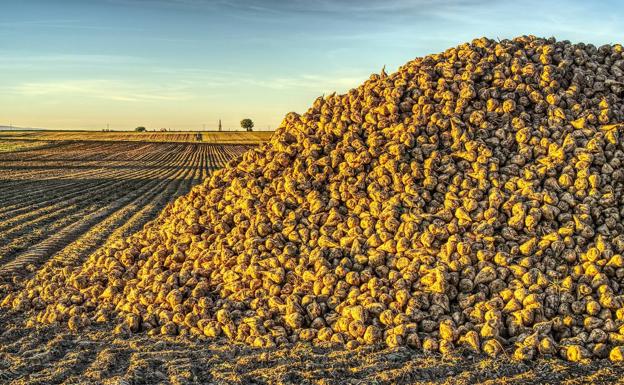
81, 64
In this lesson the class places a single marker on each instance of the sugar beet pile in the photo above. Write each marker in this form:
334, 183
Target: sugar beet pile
473, 199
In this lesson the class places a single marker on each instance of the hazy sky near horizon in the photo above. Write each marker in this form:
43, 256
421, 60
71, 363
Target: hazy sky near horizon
80, 64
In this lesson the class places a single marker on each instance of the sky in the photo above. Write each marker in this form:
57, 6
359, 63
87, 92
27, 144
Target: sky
185, 64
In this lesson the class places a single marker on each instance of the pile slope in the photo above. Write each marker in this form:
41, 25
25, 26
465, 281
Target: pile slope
471, 199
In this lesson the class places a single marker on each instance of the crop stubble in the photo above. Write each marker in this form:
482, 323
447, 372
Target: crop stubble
52, 197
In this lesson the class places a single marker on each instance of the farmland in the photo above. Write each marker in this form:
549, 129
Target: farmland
64, 199
14, 145
214, 137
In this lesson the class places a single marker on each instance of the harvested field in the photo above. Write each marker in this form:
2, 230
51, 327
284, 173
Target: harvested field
213, 137
236, 137
21, 145
63, 200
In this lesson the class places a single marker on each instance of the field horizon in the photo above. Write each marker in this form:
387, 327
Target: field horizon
215, 137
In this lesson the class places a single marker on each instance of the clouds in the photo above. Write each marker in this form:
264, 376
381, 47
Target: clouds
232, 80
37, 23
303, 6
183, 86
374, 7
52, 24
112, 90
319, 83
56, 61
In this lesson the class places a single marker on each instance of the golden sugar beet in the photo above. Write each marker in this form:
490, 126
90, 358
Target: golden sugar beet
471, 200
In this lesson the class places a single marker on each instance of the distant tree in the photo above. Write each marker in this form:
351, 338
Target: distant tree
247, 124
140, 129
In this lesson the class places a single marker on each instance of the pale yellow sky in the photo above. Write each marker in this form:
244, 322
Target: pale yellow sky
92, 104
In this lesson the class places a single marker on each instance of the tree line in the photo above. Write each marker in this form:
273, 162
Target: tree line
246, 124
